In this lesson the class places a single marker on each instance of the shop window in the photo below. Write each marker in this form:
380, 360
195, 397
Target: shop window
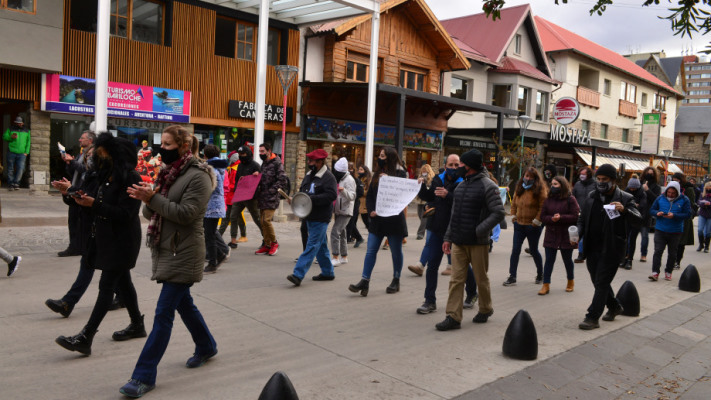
625, 135
239, 39
524, 94
607, 87
628, 92
500, 95
643, 102
412, 78
139, 20
459, 89
586, 125
541, 106
28, 6
603, 131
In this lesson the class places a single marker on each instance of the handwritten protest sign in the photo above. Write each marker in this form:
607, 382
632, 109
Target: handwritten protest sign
246, 187
394, 194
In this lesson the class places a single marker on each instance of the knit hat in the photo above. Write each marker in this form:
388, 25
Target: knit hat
318, 154
679, 176
19, 120
607, 170
341, 165
675, 185
473, 159
234, 158
634, 183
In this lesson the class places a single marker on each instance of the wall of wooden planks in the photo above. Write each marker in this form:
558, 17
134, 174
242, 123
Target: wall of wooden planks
19, 85
188, 64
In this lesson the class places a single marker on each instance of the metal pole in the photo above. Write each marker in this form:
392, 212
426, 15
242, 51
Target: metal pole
261, 86
283, 129
520, 162
500, 135
102, 64
372, 88
400, 128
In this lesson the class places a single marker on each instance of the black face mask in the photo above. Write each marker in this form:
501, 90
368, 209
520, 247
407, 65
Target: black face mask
104, 163
313, 168
382, 162
263, 157
339, 175
244, 159
555, 190
361, 174
461, 172
169, 156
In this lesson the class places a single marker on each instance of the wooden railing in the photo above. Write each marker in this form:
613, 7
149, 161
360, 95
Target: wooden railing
588, 97
628, 109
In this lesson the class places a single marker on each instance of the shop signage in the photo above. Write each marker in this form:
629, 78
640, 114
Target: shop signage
248, 110
468, 143
74, 95
566, 110
650, 133
354, 132
564, 134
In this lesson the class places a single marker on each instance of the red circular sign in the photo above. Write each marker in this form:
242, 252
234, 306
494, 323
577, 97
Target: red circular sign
566, 110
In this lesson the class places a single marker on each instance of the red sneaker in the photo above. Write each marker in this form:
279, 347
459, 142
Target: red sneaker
262, 250
273, 250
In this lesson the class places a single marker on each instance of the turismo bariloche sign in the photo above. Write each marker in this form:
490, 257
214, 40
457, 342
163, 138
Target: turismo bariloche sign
565, 111
650, 133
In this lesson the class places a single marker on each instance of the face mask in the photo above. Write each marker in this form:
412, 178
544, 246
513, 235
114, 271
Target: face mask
169, 156
604, 187
547, 175
361, 174
452, 173
339, 175
555, 190
263, 157
461, 172
583, 177
244, 159
527, 182
650, 177
671, 198
382, 162
312, 168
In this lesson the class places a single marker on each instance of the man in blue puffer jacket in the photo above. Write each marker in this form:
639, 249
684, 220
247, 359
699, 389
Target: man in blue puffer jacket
216, 251
671, 209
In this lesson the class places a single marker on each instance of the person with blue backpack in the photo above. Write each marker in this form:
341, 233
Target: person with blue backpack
671, 210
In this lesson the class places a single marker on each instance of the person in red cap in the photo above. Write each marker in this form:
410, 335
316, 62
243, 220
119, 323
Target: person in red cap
321, 186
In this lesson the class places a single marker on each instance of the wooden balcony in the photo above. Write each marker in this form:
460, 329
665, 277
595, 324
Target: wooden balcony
588, 97
628, 109
662, 117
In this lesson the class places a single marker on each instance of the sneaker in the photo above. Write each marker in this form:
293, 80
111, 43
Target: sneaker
242, 239
511, 281
334, 261
358, 242
539, 279
197, 361
427, 308
588, 324
343, 260
12, 265
447, 271
579, 260
294, 279
676, 266
262, 250
232, 245
386, 246
480, 318
60, 307
416, 269
611, 314
224, 257
667, 276
135, 388
448, 324
469, 302
654, 277
274, 249
210, 269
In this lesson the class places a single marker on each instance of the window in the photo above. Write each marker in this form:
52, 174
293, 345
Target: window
245, 42
517, 44
625, 135
607, 87
460, 88
500, 95
238, 39
412, 78
603, 131
628, 92
644, 100
660, 102
586, 125
19, 5
523, 96
541, 106
356, 71
691, 138
140, 20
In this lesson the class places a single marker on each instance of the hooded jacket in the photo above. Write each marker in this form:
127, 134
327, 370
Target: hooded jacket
216, 205
346, 197
582, 189
680, 208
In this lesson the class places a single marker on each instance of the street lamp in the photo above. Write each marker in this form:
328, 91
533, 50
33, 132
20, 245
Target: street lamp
667, 153
523, 121
286, 74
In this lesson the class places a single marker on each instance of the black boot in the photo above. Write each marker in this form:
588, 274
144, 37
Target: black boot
701, 242
361, 287
135, 330
80, 342
706, 244
394, 286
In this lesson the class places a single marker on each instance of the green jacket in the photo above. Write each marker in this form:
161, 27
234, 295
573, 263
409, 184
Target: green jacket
180, 255
19, 145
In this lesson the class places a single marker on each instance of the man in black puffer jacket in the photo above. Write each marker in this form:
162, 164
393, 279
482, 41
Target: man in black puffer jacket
476, 210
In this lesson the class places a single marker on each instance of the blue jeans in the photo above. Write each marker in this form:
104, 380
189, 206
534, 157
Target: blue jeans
173, 296
316, 247
644, 232
566, 254
371, 254
533, 234
433, 250
15, 167
704, 226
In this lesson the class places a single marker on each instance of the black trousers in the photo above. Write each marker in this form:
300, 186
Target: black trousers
351, 228
74, 225
602, 269
110, 282
664, 240
304, 233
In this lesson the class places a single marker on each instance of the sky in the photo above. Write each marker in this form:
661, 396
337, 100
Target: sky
625, 27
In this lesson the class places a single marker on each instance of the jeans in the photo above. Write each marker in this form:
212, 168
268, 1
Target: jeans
662, 240
632, 234
371, 254
602, 269
215, 247
111, 281
316, 247
644, 232
704, 226
434, 254
533, 234
566, 255
339, 241
15, 168
173, 296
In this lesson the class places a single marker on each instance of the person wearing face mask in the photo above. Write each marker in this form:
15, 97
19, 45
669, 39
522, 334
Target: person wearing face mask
343, 211
634, 187
273, 179
607, 232
247, 166
652, 190
322, 187
581, 189
671, 209
229, 186
705, 218
687, 237
549, 172
427, 175
526, 208
365, 177
351, 229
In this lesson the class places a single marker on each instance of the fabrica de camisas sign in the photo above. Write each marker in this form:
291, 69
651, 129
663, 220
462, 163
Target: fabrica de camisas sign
248, 110
565, 111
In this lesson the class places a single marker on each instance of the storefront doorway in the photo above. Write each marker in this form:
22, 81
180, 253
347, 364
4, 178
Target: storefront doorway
9, 110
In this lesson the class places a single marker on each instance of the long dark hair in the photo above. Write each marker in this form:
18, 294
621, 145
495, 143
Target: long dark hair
654, 172
392, 162
124, 157
588, 171
564, 188
368, 175
537, 186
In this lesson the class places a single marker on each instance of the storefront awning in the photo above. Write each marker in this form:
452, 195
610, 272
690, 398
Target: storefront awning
631, 164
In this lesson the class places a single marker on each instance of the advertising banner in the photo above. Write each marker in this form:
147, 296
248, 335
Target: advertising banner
650, 133
354, 132
70, 94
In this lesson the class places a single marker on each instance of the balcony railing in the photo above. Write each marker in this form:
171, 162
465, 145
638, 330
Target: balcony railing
628, 109
588, 97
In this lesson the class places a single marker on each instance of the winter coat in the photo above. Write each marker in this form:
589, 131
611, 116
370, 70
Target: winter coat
216, 205
363, 207
476, 210
641, 199
346, 197
557, 236
90, 187
273, 179
395, 225
687, 239
680, 208
247, 168
180, 255
652, 194
705, 206
614, 231
20, 144
581, 189
527, 207
322, 188
230, 182
439, 222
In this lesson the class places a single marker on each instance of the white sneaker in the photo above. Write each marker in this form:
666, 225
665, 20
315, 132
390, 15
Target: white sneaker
335, 262
344, 260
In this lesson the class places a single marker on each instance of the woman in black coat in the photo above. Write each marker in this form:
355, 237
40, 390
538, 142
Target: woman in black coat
115, 238
394, 228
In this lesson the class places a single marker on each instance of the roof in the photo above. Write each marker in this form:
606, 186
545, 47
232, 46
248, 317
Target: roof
693, 119
513, 66
472, 53
556, 38
671, 67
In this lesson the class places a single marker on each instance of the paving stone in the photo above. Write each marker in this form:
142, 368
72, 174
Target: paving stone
599, 354
551, 375
581, 390
701, 324
653, 355
700, 390
485, 392
665, 343
576, 363
519, 386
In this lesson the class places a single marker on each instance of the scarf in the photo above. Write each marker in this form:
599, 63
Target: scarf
165, 180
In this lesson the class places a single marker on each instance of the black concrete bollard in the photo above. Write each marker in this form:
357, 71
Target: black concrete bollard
520, 340
690, 280
279, 387
629, 299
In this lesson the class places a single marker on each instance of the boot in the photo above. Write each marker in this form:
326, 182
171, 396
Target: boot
135, 330
628, 264
701, 242
361, 287
545, 289
571, 285
80, 342
706, 244
394, 286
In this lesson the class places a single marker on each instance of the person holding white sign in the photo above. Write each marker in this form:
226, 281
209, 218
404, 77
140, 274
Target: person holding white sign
387, 222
